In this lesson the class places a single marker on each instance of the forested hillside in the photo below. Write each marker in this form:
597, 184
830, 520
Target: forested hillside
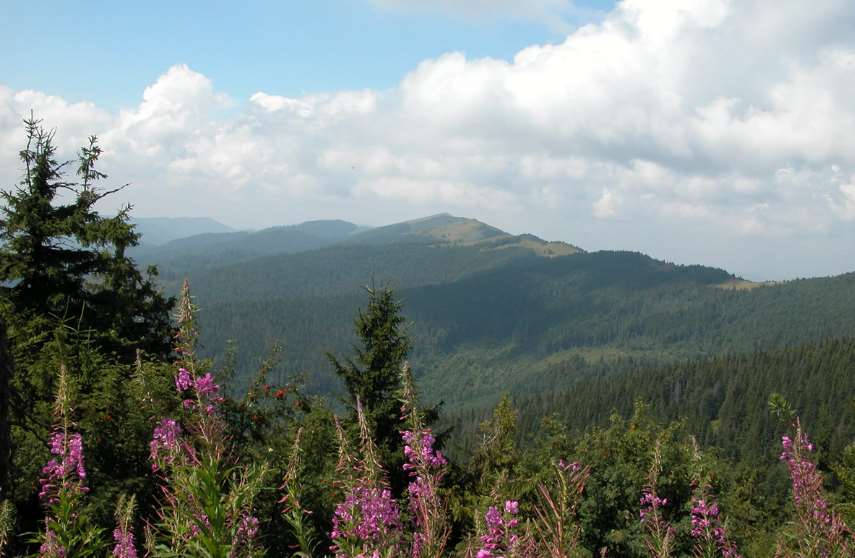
509, 320
723, 400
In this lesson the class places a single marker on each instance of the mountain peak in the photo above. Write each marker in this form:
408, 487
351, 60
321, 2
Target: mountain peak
444, 228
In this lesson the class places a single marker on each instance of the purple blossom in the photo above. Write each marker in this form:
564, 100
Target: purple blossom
50, 547
807, 482
423, 442
247, 529
500, 538
183, 380
817, 522
124, 547
164, 442
650, 502
708, 530
206, 386
194, 527
66, 470
425, 466
368, 515
572, 467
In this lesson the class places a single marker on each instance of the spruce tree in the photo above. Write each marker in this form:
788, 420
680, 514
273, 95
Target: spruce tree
60, 258
373, 375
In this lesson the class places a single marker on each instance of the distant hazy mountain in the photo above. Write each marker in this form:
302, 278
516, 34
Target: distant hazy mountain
160, 230
460, 231
210, 251
204, 251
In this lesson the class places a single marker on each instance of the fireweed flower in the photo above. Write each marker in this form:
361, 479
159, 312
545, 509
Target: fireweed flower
425, 453
164, 443
660, 533
564, 465
708, 531
66, 470
500, 537
367, 517
124, 539
650, 503
183, 380
194, 527
123, 534
51, 548
206, 386
424, 465
246, 531
819, 526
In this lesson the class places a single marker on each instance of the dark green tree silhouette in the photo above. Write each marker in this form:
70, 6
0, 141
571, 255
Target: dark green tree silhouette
59, 257
373, 375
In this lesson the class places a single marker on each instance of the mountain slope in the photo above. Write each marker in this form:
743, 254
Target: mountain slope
328, 257
524, 325
491, 312
459, 231
210, 250
723, 399
156, 231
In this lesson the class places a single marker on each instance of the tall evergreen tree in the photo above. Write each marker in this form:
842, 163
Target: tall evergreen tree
373, 375
59, 257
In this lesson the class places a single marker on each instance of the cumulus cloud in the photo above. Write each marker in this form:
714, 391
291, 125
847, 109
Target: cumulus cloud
690, 129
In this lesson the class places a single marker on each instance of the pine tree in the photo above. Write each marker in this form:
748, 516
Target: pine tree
374, 374
59, 257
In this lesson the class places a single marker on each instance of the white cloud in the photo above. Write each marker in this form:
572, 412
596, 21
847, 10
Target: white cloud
606, 206
732, 119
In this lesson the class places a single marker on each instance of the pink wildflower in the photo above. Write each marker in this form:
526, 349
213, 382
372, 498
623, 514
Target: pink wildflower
164, 442
368, 516
183, 381
50, 547
124, 547
60, 472
500, 538
206, 386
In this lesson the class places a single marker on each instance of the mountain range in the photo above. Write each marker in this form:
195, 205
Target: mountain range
490, 312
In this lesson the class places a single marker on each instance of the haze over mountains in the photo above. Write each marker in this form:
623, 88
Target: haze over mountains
213, 244
492, 312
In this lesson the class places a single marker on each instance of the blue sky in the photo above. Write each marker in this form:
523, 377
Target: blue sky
698, 131
109, 51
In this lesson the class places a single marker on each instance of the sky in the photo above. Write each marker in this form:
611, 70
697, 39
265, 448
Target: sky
717, 132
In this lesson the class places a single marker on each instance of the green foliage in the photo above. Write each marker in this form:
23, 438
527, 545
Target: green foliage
70, 296
373, 376
7, 524
66, 260
488, 322
724, 400
575, 342
844, 469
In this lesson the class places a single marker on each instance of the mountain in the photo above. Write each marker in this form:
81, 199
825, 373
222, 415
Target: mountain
522, 325
491, 312
160, 230
209, 250
350, 255
459, 231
